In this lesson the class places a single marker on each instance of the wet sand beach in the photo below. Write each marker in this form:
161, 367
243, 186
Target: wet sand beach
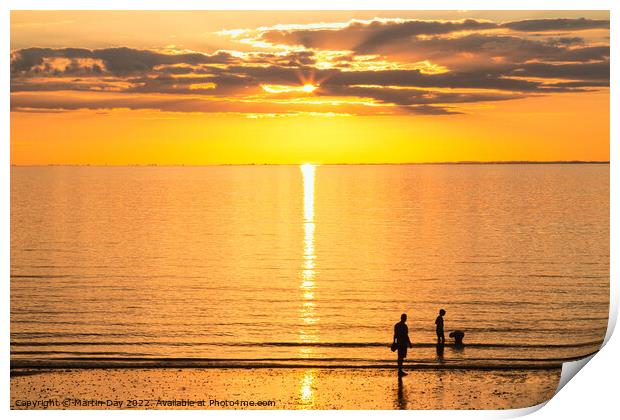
284, 388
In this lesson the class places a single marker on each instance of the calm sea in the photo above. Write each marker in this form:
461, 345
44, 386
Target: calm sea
287, 264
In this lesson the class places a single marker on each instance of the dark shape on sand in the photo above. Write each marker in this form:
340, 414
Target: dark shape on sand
458, 338
401, 399
401, 342
439, 349
441, 339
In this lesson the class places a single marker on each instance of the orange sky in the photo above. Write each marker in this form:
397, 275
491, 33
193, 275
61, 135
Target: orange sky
323, 87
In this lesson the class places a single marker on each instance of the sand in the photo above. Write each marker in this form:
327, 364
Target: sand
280, 388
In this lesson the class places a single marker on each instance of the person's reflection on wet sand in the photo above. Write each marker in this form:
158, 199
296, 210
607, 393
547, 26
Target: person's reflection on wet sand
401, 401
439, 348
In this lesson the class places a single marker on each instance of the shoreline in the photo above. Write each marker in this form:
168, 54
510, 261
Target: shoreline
35, 369
437, 362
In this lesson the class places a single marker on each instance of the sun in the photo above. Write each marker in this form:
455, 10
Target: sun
309, 88
307, 168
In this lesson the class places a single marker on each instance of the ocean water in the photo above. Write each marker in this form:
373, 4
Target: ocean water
255, 265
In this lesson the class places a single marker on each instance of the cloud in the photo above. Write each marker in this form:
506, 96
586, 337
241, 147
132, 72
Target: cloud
117, 61
363, 36
414, 78
383, 34
471, 51
582, 71
543, 25
456, 44
64, 101
598, 53
401, 96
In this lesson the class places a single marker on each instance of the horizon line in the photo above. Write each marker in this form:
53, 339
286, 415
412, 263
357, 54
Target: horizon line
462, 162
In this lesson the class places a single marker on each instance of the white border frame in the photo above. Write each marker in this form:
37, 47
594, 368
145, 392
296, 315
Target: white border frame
593, 393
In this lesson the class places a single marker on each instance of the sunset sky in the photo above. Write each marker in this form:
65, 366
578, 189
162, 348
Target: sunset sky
211, 87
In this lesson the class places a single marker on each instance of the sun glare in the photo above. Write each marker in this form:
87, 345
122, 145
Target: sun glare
306, 88
309, 88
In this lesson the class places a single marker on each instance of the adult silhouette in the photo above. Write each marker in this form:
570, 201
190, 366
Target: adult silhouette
401, 342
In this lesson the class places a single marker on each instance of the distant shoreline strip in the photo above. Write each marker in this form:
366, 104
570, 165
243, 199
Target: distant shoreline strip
464, 162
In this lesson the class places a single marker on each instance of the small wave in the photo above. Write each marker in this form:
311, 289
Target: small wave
141, 357
88, 353
162, 363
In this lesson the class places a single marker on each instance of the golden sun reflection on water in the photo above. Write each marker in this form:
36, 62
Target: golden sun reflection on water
307, 333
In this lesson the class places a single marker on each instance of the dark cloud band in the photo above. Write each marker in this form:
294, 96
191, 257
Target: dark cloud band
399, 66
